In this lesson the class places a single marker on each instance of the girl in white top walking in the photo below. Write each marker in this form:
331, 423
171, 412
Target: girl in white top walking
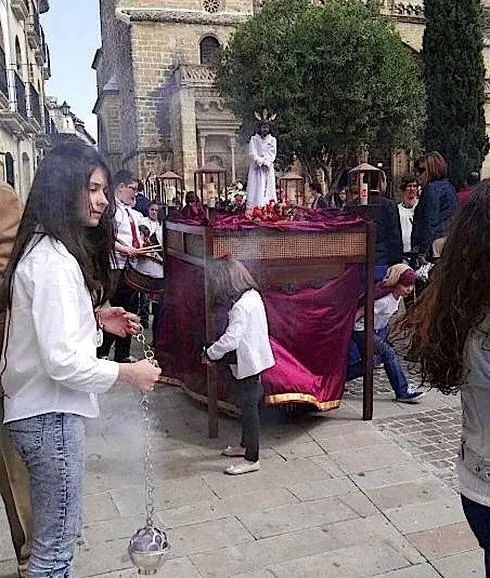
247, 335
53, 291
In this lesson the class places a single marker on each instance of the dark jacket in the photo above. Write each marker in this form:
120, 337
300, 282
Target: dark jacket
384, 212
142, 204
433, 213
322, 203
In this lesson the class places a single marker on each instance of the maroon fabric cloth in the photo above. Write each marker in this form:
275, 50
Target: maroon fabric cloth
182, 322
381, 290
310, 332
306, 220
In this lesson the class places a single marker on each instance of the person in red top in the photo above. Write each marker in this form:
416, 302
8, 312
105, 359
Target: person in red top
465, 191
193, 207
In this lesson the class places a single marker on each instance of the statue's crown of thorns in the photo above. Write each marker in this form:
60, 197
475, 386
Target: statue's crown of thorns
265, 116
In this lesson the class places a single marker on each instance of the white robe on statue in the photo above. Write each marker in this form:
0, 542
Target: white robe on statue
261, 185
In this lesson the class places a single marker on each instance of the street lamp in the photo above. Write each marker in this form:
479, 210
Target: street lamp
65, 109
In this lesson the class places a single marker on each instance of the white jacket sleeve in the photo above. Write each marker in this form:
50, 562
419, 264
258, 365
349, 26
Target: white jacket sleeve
233, 335
56, 295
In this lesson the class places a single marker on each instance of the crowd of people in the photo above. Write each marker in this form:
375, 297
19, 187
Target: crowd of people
63, 261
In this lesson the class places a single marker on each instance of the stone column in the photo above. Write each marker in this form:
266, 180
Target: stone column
202, 146
188, 135
233, 168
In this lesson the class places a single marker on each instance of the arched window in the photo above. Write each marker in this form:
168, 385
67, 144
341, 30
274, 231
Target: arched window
216, 160
9, 170
18, 56
209, 51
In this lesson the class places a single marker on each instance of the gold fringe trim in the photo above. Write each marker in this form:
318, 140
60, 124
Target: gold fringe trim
277, 399
301, 398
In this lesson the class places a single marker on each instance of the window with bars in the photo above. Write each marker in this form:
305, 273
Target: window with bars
209, 51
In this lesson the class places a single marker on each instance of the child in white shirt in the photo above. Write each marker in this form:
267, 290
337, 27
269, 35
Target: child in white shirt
247, 334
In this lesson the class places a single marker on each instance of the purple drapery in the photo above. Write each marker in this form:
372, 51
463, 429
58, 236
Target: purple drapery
306, 220
309, 330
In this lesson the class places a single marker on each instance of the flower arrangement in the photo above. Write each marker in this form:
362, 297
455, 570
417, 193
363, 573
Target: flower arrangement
273, 212
235, 199
236, 188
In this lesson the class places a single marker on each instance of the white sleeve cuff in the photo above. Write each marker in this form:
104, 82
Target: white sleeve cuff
107, 374
213, 354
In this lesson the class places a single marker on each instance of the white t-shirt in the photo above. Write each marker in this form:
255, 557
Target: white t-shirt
406, 222
384, 309
51, 352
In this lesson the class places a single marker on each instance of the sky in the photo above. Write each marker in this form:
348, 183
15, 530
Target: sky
72, 32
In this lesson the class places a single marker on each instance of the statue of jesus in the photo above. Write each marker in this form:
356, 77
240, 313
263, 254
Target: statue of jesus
261, 184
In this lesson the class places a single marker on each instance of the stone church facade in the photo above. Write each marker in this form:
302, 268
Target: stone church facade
156, 105
157, 108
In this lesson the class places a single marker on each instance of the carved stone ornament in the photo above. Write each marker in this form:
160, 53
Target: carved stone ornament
408, 9
211, 6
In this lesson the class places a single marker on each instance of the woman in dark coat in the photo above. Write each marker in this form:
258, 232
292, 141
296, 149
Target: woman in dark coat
437, 204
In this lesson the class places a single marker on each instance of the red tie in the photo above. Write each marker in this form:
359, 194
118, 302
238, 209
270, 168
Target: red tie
134, 234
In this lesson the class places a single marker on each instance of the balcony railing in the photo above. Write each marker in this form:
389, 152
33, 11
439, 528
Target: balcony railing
44, 46
4, 85
49, 126
399, 8
34, 31
20, 8
47, 64
195, 74
20, 95
35, 105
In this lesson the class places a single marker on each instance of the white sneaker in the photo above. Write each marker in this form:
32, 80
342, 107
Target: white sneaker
244, 467
233, 452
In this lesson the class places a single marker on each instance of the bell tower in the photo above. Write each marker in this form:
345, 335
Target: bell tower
160, 54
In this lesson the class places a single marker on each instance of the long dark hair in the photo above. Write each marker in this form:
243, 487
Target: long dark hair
457, 300
54, 209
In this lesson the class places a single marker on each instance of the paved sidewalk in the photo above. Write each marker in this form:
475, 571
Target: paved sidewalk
336, 497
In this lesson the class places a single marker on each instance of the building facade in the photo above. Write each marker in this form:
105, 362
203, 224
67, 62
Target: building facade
65, 122
157, 109
25, 126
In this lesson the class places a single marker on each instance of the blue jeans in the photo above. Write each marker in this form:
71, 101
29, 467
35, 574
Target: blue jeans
383, 351
53, 448
478, 517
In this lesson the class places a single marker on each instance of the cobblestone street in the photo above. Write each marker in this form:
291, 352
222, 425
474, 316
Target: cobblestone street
430, 435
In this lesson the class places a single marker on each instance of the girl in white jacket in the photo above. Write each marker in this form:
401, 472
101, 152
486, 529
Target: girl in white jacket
247, 335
